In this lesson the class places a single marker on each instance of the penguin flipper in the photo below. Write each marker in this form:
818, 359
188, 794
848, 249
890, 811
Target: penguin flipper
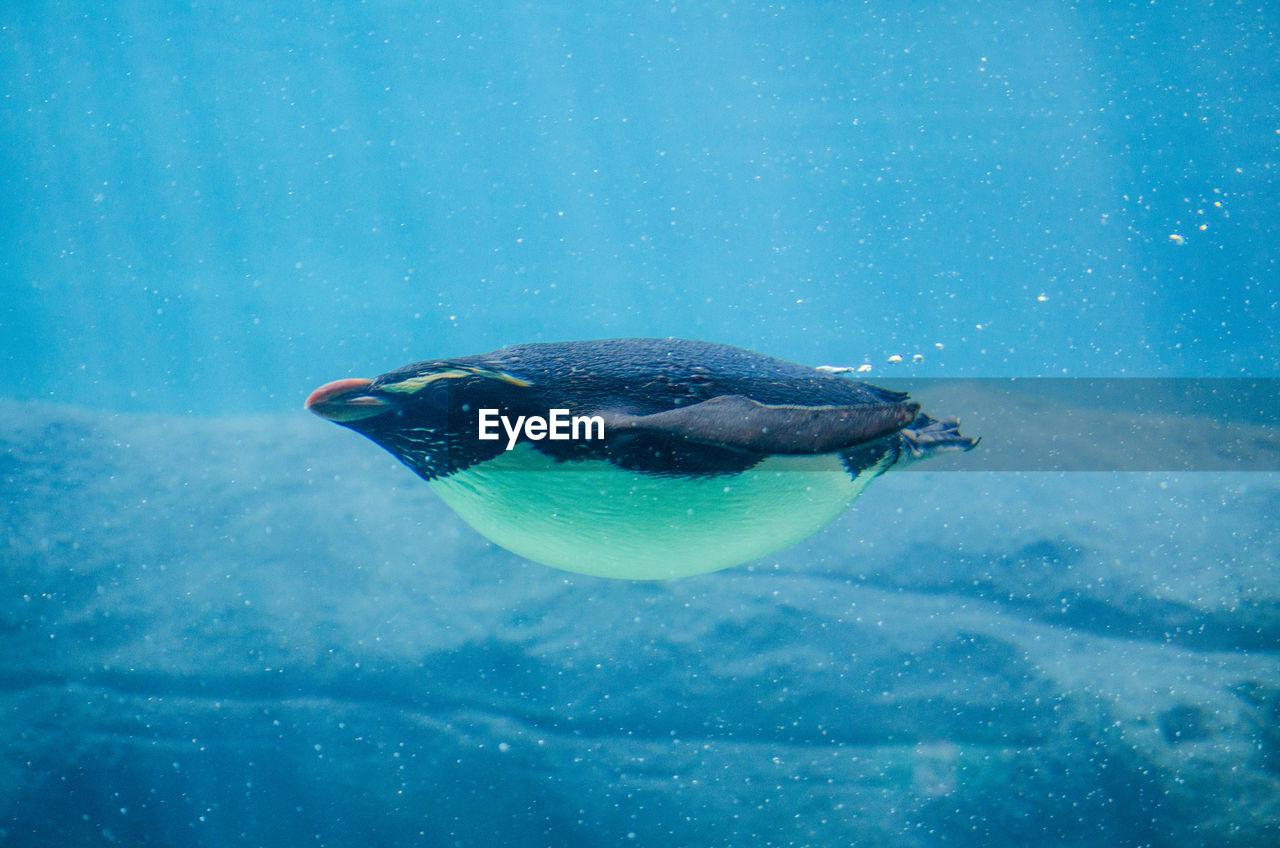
740, 423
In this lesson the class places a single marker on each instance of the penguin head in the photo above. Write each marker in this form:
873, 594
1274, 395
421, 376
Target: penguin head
423, 414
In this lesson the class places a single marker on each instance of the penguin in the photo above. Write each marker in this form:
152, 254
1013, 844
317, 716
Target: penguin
638, 459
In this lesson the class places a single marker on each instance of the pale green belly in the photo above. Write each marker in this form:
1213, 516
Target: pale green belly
593, 518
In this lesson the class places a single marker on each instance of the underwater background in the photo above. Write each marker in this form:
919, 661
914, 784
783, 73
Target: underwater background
226, 622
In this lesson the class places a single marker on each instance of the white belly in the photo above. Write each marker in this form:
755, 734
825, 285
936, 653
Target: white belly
593, 518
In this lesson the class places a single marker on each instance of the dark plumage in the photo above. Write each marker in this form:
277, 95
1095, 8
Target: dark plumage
434, 429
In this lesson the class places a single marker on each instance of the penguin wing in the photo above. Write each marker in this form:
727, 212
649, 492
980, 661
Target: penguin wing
742, 424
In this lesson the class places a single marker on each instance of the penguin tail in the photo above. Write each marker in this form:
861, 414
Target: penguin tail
926, 436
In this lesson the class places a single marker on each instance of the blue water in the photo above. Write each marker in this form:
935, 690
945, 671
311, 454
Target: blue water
212, 207
209, 209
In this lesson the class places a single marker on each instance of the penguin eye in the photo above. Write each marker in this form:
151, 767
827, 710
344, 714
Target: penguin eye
436, 395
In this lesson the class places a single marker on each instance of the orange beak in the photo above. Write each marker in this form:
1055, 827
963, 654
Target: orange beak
347, 400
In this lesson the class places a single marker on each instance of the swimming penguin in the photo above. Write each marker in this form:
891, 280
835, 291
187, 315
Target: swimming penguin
637, 458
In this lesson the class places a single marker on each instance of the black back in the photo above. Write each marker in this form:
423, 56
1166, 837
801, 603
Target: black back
434, 431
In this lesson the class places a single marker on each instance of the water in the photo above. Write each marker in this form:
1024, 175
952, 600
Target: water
230, 624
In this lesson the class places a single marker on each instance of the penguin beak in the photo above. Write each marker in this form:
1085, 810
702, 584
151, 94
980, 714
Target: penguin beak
345, 401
